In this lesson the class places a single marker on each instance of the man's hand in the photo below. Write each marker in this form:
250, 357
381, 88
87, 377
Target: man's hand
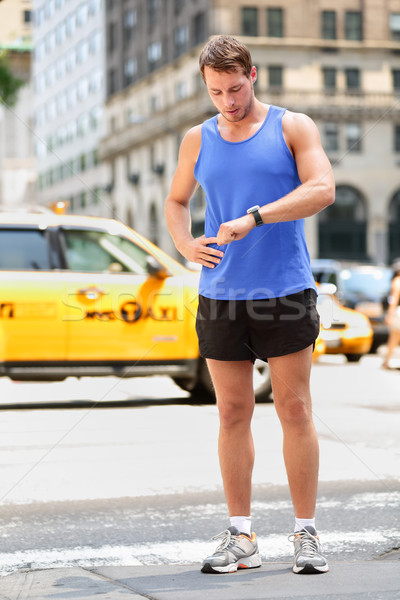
198, 251
235, 230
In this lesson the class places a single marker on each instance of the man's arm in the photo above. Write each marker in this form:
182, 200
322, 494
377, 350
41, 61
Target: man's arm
177, 211
317, 189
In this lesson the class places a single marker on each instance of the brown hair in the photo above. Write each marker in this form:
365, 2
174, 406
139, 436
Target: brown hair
225, 53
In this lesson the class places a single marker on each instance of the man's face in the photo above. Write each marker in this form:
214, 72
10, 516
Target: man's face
231, 93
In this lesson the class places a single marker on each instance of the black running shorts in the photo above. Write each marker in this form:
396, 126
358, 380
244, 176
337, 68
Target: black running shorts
250, 329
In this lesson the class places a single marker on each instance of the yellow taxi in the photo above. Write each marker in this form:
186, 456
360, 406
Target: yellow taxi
85, 296
344, 330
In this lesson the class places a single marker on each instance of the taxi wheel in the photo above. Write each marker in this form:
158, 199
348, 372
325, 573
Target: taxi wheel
353, 357
202, 390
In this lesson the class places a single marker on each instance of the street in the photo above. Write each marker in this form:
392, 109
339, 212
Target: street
86, 482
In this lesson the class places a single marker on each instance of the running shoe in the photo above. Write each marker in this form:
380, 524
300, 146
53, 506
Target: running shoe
308, 557
236, 551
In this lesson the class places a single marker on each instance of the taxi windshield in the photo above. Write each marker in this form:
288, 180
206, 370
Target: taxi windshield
366, 283
100, 251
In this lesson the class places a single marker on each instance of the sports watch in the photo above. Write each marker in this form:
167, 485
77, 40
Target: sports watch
257, 217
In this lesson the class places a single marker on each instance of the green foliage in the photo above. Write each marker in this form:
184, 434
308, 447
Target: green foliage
9, 85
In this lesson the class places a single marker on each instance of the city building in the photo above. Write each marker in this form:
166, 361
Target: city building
337, 62
68, 78
15, 22
17, 161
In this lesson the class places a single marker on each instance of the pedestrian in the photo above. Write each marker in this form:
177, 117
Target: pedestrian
393, 315
263, 171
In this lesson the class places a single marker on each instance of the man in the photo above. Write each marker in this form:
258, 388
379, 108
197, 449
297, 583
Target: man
263, 171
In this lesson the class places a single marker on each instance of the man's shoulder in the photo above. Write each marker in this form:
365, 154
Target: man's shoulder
297, 119
297, 126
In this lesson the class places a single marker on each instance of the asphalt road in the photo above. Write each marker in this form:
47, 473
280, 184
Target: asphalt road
90, 483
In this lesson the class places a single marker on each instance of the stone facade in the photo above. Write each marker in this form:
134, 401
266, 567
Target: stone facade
339, 64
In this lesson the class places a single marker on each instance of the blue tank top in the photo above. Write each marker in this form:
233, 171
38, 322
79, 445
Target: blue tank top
272, 260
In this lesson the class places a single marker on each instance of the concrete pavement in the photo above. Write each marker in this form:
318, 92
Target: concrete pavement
377, 579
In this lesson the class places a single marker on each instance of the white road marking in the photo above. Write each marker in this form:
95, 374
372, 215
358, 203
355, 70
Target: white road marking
272, 548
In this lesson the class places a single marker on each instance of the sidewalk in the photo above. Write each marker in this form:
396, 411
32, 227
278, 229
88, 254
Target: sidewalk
367, 580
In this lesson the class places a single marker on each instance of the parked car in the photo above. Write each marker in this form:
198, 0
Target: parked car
83, 296
364, 287
344, 330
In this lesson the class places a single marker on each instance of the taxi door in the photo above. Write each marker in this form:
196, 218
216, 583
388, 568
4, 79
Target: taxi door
32, 325
117, 311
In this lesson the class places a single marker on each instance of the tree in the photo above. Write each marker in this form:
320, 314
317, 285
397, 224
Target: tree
9, 85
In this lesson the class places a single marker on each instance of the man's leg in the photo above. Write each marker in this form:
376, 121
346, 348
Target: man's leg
233, 384
290, 377
290, 383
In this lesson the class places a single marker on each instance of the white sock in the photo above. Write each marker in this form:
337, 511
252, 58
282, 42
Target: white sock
301, 523
242, 523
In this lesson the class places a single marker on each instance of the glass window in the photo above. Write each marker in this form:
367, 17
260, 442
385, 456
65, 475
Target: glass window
352, 79
24, 249
152, 6
199, 28
112, 81
94, 6
99, 251
82, 51
130, 70
82, 13
353, 25
397, 138
394, 26
353, 137
95, 42
181, 36
154, 54
250, 21
331, 137
275, 75
27, 16
275, 22
396, 79
329, 78
328, 25
70, 24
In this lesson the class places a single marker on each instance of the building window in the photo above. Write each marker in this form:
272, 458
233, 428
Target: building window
342, 226
352, 79
353, 25
328, 25
250, 21
27, 16
275, 22
394, 26
353, 137
181, 36
130, 20
329, 78
154, 225
154, 54
112, 81
199, 28
178, 6
180, 90
82, 13
331, 137
275, 76
130, 70
112, 37
397, 138
396, 79
152, 6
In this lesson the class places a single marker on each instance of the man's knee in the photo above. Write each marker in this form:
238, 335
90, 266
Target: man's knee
295, 410
235, 412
